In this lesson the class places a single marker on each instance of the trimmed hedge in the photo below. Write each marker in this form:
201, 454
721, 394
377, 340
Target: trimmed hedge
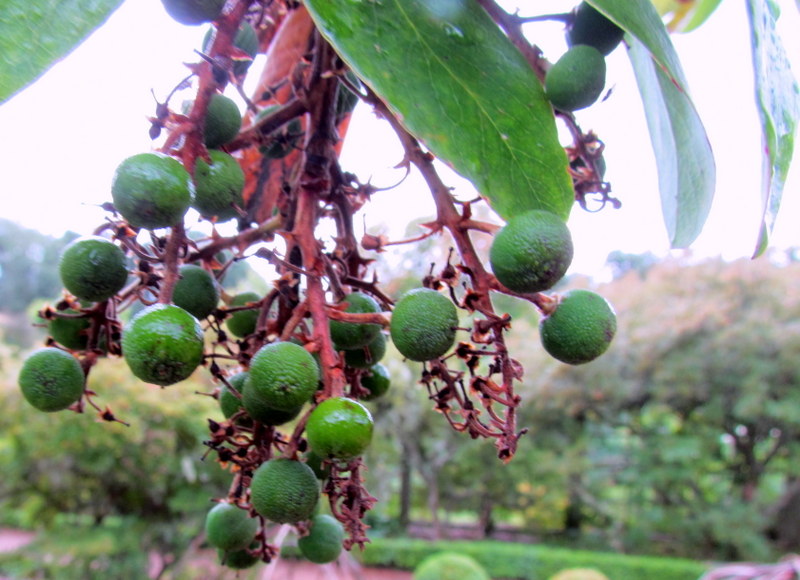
530, 562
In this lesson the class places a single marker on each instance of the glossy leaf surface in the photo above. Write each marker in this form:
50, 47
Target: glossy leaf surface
458, 84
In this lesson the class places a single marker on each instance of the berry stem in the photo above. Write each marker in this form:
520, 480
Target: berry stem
459, 225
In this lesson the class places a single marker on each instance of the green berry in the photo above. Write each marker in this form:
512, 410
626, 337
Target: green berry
284, 491
163, 344
239, 559
591, 27
196, 291
532, 252
93, 268
152, 190
315, 462
51, 379
282, 377
70, 331
349, 335
193, 12
376, 381
229, 528
222, 122
243, 322
366, 356
580, 328
218, 187
229, 403
245, 40
577, 79
340, 428
323, 543
423, 324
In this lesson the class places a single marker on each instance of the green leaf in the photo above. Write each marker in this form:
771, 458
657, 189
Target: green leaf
686, 169
640, 19
458, 84
35, 34
778, 100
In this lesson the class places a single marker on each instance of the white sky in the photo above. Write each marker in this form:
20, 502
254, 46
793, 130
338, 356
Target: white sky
65, 135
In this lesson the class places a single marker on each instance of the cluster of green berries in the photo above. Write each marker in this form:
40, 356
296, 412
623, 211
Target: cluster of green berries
164, 343
576, 80
532, 253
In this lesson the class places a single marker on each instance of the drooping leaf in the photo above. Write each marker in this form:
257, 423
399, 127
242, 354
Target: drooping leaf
641, 19
778, 100
686, 169
460, 86
35, 34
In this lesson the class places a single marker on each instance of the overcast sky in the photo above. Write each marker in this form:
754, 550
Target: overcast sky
65, 135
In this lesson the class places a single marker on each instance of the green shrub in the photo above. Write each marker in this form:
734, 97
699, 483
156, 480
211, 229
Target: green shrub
75, 551
503, 560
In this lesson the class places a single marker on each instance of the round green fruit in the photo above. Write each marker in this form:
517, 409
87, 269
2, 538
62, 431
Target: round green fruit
243, 322
70, 331
316, 463
163, 344
366, 356
218, 187
323, 543
377, 382
229, 403
284, 491
591, 27
245, 40
260, 410
577, 79
282, 377
152, 190
239, 559
349, 335
93, 268
193, 12
196, 291
340, 428
532, 252
223, 121
51, 379
229, 528
580, 328
424, 324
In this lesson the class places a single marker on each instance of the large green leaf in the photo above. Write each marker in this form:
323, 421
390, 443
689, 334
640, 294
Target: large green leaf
460, 86
778, 100
686, 169
34, 34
